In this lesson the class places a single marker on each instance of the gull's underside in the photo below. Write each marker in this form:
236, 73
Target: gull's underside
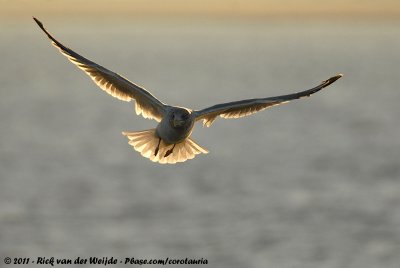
151, 143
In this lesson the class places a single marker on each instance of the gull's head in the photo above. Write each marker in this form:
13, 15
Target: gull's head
180, 117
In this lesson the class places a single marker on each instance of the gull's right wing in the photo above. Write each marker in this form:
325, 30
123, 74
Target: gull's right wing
237, 109
114, 84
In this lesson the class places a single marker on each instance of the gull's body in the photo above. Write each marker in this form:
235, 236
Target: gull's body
170, 141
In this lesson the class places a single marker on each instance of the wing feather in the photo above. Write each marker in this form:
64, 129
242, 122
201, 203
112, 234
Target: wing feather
112, 83
243, 108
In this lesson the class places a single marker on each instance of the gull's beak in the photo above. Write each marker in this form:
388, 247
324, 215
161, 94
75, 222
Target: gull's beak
178, 123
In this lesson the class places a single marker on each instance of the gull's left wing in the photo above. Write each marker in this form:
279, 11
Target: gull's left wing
242, 108
114, 84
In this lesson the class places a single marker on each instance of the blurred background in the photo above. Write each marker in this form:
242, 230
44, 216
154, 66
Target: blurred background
313, 183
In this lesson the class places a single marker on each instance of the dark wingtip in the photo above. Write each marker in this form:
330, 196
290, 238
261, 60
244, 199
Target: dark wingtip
336, 77
38, 22
332, 79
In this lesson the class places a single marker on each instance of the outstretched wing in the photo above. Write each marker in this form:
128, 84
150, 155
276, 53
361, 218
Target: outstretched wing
112, 83
242, 108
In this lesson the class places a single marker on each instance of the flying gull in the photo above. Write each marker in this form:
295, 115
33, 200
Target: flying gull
170, 141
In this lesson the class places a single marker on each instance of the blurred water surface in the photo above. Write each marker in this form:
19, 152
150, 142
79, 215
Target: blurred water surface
313, 183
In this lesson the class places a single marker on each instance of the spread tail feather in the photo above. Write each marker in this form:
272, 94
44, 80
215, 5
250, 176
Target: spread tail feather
146, 141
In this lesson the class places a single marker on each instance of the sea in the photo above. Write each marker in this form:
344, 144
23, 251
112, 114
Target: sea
310, 183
